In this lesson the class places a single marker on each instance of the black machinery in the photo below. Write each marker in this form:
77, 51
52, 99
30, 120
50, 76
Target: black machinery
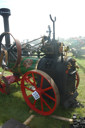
61, 68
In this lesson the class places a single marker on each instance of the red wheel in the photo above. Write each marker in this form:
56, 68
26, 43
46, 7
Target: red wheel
40, 92
4, 86
77, 80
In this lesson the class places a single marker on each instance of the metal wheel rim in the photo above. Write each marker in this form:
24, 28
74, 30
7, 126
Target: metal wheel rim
42, 100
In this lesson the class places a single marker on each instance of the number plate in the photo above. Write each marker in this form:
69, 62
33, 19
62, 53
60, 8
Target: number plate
35, 95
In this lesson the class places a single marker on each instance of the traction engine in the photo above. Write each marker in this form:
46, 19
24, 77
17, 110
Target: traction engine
47, 76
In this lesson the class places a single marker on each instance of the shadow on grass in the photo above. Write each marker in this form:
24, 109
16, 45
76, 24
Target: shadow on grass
13, 106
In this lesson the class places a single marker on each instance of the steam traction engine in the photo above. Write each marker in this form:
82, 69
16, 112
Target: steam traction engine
48, 77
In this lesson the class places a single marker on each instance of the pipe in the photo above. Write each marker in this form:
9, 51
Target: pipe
53, 26
5, 13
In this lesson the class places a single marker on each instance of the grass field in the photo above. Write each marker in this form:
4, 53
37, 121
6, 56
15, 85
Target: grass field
14, 106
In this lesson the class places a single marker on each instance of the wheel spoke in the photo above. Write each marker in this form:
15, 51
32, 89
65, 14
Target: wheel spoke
34, 103
29, 89
34, 80
14, 57
41, 82
46, 103
14, 53
29, 96
27, 80
41, 103
12, 46
49, 96
46, 89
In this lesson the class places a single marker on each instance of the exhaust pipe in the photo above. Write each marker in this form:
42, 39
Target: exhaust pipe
5, 13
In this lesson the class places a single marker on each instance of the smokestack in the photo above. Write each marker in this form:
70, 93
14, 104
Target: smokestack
5, 13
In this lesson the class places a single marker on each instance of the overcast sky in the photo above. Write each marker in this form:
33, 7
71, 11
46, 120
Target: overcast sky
30, 18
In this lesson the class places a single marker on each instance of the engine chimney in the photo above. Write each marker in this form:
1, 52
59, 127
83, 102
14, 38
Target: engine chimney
5, 13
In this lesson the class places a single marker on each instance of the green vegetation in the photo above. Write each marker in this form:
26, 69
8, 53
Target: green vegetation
14, 106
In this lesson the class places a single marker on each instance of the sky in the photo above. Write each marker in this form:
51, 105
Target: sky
30, 18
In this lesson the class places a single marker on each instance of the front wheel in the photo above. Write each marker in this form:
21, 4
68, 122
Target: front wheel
40, 92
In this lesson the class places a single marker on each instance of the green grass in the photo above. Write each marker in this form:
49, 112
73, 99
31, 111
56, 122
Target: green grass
14, 106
